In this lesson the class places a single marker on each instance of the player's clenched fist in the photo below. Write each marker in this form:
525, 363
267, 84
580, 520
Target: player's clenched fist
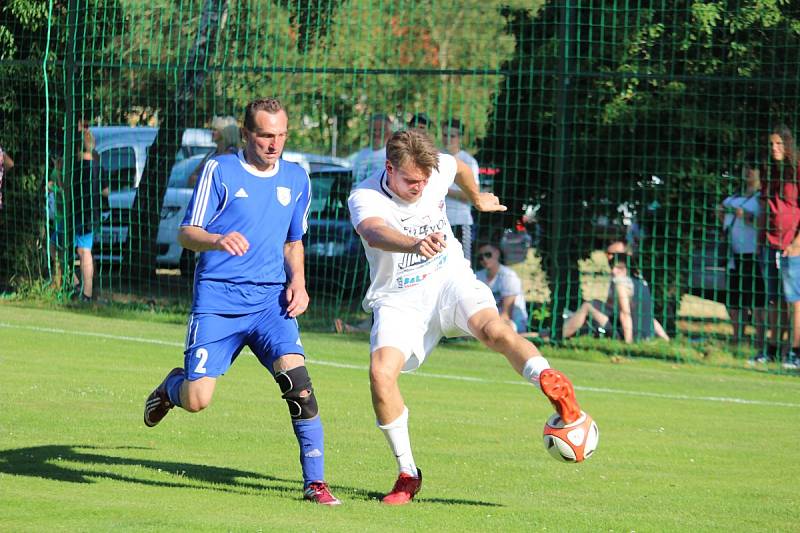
234, 243
430, 245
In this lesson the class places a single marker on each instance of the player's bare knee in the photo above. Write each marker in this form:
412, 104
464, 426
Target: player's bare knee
296, 389
381, 377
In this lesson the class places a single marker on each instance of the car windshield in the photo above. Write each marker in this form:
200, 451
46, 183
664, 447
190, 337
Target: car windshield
329, 191
320, 190
179, 177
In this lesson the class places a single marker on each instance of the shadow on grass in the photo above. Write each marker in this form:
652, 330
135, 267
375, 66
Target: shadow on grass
86, 464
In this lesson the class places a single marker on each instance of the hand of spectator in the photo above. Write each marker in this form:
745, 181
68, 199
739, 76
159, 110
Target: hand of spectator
234, 243
792, 250
430, 245
488, 202
739, 212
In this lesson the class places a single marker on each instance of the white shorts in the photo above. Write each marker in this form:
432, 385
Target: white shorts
415, 326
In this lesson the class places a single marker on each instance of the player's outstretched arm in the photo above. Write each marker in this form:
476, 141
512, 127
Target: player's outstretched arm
198, 239
483, 201
380, 235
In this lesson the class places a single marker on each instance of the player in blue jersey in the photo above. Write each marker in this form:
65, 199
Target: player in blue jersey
246, 220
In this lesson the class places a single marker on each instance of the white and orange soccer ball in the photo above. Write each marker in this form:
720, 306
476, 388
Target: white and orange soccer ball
571, 443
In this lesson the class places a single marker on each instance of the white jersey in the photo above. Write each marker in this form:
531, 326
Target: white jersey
404, 274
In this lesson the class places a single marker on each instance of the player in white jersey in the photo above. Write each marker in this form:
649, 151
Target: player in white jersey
422, 288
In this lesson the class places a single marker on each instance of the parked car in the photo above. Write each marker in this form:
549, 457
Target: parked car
313, 162
123, 154
335, 260
123, 151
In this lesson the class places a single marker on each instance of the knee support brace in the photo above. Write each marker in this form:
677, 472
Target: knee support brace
293, 384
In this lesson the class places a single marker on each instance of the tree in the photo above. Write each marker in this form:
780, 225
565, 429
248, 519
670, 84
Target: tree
161, 156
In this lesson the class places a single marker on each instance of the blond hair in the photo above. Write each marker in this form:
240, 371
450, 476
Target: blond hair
415, 147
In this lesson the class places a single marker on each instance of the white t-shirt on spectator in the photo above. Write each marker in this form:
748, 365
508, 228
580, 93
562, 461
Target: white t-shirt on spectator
744, 235
460, 213
507, 283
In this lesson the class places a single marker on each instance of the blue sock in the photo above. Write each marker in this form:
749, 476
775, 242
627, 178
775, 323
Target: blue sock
312, 447
174, 389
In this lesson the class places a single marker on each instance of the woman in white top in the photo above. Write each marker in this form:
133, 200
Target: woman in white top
505, 285
739, 214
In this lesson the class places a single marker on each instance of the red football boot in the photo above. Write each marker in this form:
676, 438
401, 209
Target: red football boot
558, 389
319, 492
405, 488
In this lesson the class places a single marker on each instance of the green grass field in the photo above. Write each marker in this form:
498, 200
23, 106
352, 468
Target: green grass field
682, 448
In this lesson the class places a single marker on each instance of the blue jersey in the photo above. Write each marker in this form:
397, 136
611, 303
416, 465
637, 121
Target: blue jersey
268, 208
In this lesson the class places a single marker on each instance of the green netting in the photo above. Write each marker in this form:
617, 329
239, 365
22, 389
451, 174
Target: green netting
593, 121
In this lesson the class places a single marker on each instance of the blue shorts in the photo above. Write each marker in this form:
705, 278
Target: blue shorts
790, 274
214, 341
81, 240
84, 241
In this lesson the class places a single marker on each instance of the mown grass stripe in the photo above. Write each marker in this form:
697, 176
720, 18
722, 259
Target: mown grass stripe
452, 377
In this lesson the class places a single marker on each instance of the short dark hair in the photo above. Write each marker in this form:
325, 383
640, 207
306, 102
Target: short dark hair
270, 105
419, 118
415, 146
380, 116
453, 123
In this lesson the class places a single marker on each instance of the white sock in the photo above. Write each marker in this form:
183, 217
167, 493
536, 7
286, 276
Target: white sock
533, 367
397, 435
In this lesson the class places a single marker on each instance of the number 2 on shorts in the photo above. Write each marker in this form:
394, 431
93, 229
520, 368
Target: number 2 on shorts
201, 354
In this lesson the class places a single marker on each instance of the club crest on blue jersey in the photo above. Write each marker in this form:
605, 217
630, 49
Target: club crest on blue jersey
284, 195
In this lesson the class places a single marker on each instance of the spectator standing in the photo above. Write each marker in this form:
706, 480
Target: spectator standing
628, 309
56, 216
373, 157
739, 214
505, 285
85, 202
781, 214
420, 121
459, 210
246, 219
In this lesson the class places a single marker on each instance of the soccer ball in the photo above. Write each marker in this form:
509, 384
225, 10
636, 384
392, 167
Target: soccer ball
571, 443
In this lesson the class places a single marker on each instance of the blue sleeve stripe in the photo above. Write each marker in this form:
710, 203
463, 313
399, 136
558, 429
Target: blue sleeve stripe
203, 191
